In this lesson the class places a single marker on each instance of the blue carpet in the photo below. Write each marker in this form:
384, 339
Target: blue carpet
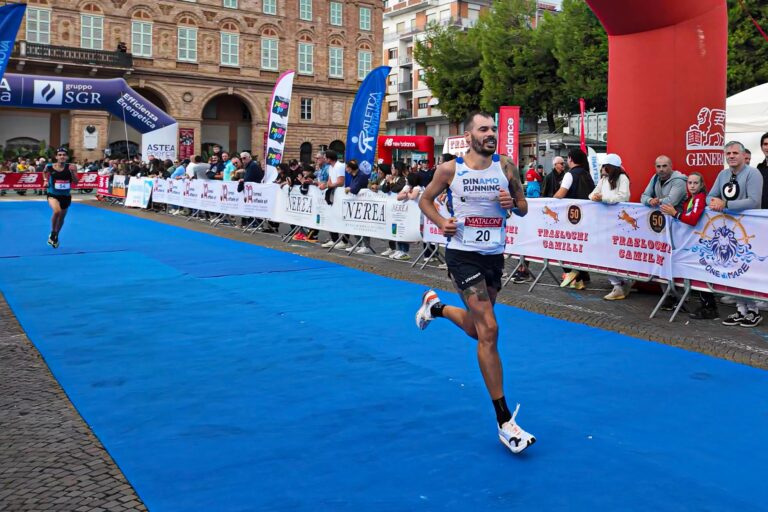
223, 376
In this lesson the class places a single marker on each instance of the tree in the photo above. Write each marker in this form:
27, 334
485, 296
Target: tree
451, 59
504, 33
747, 49
581, 50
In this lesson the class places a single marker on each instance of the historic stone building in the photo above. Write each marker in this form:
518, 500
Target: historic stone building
209, 64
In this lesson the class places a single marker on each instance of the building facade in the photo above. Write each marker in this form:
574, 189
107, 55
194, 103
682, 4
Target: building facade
410, 107
210, 64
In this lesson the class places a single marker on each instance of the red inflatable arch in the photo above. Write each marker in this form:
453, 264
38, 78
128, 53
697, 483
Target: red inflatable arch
418, 143
666, 84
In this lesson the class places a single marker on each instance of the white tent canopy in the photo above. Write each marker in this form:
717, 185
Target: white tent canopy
746, 119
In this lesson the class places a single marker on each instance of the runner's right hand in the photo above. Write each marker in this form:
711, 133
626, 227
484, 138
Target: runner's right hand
449, 226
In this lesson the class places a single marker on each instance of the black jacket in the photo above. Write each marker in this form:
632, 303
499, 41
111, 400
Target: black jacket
254, 172
582, 185
552, 183
763, 168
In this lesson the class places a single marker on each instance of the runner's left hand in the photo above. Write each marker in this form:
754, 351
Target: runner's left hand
505, 200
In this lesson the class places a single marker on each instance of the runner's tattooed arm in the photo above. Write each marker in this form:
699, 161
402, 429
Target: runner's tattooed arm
515, 187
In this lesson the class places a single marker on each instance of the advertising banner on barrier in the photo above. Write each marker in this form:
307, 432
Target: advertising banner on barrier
364, 118
308, 210
158, 191
259, 200
278, 124
119, 186
727, 249
139, 192
104, 187
174, 191
230, 200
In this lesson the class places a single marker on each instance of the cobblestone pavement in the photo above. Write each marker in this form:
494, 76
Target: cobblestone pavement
50, 460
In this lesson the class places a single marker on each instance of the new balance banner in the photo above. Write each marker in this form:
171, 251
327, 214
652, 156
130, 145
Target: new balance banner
364, 119
10, 21
509, 124
277, 127
36, 180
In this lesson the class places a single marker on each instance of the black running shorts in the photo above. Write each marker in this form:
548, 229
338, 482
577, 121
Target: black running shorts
64, 201
469, 268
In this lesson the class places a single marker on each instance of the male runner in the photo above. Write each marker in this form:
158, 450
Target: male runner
479, 196
59, 178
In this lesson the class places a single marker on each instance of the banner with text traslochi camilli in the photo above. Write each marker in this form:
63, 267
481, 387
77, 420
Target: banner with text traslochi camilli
728, 249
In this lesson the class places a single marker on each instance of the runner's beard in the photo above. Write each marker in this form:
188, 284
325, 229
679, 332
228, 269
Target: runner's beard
478, 146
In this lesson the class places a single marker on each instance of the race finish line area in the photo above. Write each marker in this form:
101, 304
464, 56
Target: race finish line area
225, 376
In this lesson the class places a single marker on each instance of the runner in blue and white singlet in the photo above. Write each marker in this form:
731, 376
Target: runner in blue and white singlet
479, 217
481, 188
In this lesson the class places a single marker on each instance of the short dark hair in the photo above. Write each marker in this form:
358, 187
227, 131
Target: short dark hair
198, 159
578, 157
763, 137
447, 157
352, 164
469, 121
331, 155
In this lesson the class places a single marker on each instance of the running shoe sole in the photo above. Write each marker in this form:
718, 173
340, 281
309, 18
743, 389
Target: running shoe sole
422, 315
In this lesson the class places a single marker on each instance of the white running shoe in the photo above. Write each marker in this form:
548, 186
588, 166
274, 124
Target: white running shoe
423, 315
388, 252
403, 256
514, 437
364, 250
395, 255
328, 244
340, 246
350, 248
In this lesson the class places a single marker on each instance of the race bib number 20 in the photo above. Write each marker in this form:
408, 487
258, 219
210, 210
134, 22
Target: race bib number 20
483, 231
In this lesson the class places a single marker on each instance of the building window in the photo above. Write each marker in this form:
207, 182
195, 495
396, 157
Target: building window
92, 32
230, 49
423, 103
365, 18
230, 4
187, 44
364, 59
306, 109
39, 26
392, 107
305, 10
141, 39
335, 62
306, 59
335, 14
392, 80
270, 7
392, 53
269, 54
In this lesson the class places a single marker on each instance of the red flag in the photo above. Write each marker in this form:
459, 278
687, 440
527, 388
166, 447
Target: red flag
582, 106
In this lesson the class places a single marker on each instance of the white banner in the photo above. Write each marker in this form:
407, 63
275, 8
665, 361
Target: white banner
158, 191
725, 249
259, 200
161, 143
277, 128
139, 192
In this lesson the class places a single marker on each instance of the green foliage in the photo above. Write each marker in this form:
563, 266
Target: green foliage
451, 59
747, 49
581, 50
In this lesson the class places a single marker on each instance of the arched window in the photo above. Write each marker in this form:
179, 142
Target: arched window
305, 153
92, 27
187, 40
141, 34
269, 46
230, 45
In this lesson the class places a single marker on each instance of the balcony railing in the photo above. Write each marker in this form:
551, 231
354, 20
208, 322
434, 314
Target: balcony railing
404, 113
405, 87
70, 55
406, 61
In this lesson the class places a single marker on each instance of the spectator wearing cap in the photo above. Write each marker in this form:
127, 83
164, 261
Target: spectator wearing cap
612, 188
666, 187
738, 187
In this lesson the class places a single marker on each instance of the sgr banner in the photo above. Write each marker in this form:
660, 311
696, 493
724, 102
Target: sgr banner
364, 119
158, 129
727, 249
278, 124
10, 21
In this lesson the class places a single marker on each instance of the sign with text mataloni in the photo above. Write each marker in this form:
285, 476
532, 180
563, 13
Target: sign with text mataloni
158, 129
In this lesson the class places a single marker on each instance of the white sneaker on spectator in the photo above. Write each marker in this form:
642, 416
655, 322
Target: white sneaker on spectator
328, 244
423, 314
388, 252
350, 248
442, 266
364, 250
394, 255
728, 299
514, 437
403, 256
341, 246
616, 294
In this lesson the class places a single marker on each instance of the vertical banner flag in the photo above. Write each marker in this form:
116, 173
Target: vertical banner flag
10, 21
364, 119
277, 127
583, 136
186, 143
509, 124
